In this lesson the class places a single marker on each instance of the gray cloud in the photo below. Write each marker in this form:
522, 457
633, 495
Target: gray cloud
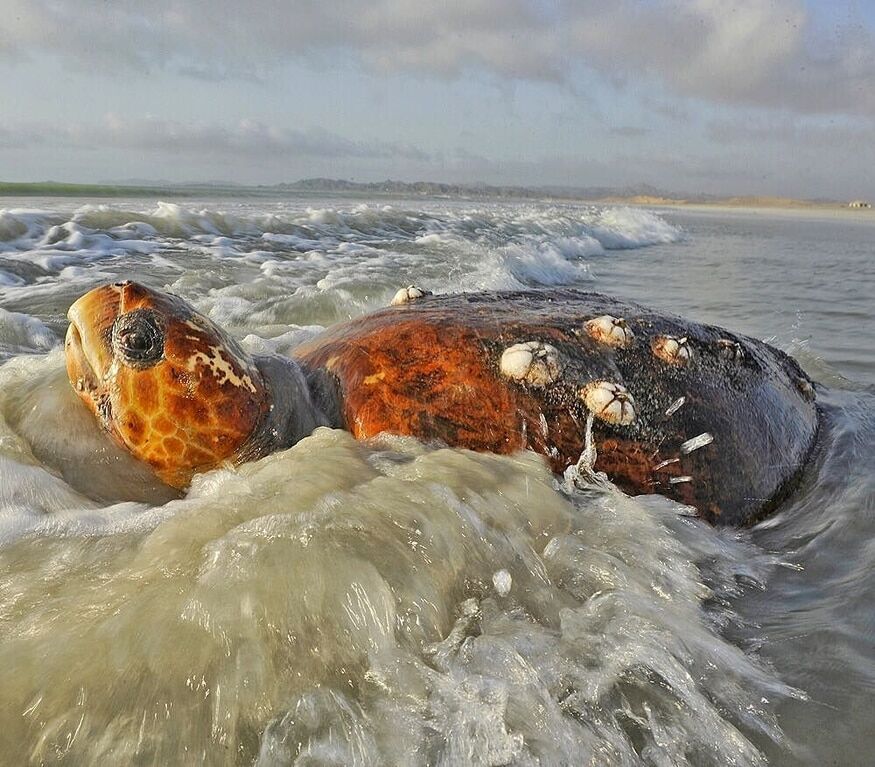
249, 138
629, 131
855, 136
749, 52
17, 139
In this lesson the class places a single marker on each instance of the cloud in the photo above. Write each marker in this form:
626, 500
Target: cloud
247, 138
748, 52
209, 37
629, 131
853, 136
18, 139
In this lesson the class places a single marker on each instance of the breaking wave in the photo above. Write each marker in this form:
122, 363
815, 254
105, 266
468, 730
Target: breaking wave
337, 261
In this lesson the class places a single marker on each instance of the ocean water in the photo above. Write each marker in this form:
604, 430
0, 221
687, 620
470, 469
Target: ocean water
389, 602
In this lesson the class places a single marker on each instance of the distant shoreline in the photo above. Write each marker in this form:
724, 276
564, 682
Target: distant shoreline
741, 203
427, 190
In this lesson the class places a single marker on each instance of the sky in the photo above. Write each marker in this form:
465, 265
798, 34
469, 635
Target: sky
767, 97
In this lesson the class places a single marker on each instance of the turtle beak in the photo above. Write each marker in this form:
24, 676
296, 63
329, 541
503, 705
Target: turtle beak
87, 346
79, 369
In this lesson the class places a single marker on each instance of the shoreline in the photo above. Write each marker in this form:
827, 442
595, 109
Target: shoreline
50, 190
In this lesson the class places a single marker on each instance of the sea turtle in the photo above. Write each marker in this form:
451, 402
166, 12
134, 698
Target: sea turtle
713, 419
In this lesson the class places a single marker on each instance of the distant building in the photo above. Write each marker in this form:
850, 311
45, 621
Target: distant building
859, 204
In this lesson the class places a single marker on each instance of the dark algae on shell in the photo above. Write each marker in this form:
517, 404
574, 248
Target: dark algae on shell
432, 368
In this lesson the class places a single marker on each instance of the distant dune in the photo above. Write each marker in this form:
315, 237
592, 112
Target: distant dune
746, 201
776, 202
642, 199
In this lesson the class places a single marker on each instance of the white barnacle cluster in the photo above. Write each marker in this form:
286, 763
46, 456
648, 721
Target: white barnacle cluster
609, 401
731, 350
531, 362
805, 388
612, 331
408, 294
671, 349
538, 364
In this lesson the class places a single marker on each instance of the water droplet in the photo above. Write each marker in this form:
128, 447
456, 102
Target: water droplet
502, 582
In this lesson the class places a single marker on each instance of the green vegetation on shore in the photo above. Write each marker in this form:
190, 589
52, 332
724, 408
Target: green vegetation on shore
57, 189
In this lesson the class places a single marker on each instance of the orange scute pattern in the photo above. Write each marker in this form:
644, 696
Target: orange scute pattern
192, 410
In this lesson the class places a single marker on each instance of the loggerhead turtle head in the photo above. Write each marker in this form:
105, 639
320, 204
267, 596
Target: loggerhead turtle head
164, 380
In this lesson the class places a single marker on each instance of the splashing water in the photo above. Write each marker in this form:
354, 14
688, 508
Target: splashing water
306, 605
261, 265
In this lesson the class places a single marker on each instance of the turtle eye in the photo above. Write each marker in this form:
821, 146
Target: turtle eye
138, 338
